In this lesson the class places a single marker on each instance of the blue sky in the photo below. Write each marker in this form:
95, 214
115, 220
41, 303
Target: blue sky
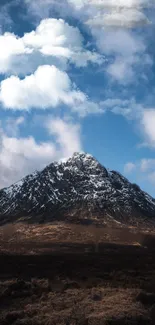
77, 75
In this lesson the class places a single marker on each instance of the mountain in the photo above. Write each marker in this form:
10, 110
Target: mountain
77, 189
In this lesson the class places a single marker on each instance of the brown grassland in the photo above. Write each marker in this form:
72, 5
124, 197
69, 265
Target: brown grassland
76, 275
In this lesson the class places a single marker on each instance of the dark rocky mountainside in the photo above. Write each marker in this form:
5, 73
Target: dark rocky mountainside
79, 188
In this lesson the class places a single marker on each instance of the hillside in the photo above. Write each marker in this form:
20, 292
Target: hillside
78, 189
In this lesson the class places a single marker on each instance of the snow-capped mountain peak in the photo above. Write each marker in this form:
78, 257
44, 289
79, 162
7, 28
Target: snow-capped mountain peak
79, 183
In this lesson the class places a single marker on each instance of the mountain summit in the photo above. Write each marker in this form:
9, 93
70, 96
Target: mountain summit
76, 189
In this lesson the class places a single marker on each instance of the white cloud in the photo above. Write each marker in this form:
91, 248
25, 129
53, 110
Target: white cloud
78, 4
111, 4
132, 110
21, 156
147, 164
121, 68
127, 4
148, 126
119, 42
128, 108
40, 9
114, 13
5, 17
144, 169
47, 87
88, 107
120, 13
110, 22
12, 126
53, 39
127, 18
151, 177
126, 51
67, 135
129, 167
11, 46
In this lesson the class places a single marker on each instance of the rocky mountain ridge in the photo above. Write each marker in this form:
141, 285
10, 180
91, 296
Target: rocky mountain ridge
77, 188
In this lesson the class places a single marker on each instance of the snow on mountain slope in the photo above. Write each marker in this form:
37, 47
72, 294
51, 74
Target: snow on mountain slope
80, 182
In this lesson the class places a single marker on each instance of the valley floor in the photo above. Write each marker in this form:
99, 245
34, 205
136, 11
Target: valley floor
46, 281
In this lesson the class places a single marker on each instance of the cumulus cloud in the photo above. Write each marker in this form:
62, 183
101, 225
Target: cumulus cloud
119, 20
148, 126
121, 68
128, 108
53, 38
143, 117
114, 13
5, 18
132, 110
143, 168
12, 126
78, 4
47, 87
129, 167
112, 24
147, 168
88, 107
151, 177
44, 8
21, 156
126, 51
11, 46
147, 164
120, 42
67, 135
120, 3
120, 13
123, 18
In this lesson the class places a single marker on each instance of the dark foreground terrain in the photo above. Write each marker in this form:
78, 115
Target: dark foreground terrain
73, 284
